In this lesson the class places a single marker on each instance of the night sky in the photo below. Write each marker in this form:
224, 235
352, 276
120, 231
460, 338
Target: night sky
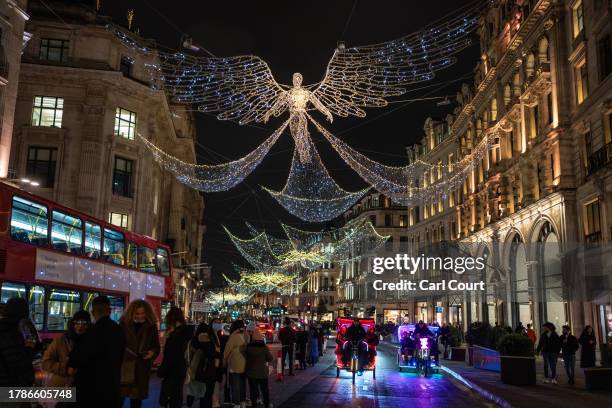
294, 36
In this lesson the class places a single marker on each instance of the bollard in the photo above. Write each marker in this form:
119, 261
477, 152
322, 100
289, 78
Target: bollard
279, 366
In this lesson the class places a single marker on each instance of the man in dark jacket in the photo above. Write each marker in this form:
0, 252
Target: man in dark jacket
550, 346
97, 360
15, 360
356, 333
286, 335
569, 346
301, 339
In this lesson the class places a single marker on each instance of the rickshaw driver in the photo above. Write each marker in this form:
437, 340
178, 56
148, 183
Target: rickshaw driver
422, 331
356, 333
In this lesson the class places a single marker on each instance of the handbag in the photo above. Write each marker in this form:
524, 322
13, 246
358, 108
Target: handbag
128, 369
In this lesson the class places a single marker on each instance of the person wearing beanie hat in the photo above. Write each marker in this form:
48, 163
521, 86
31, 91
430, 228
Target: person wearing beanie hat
550, 346
258, 357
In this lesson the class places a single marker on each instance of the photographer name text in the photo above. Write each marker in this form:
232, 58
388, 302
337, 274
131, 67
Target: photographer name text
426, 285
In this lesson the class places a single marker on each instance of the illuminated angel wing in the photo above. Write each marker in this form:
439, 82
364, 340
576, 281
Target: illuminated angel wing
236, 88
366, 76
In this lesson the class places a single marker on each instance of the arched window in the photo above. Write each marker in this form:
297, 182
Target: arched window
543, 50
520, 290
550, 275
530, 66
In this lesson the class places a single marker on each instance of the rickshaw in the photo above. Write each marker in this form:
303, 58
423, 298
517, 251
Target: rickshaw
351, 363
417, 353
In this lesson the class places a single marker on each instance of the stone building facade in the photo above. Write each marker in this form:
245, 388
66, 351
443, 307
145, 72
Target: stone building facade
13, 37
356, 296
83, 101
538, 205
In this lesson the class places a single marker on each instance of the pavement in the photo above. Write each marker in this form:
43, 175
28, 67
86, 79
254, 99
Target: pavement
489, 385
541, 395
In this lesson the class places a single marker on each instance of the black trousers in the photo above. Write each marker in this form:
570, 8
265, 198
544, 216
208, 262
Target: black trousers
134, 403
171, 393
255, 386
287, 352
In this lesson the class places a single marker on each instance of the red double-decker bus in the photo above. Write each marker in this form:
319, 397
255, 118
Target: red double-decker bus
60, 259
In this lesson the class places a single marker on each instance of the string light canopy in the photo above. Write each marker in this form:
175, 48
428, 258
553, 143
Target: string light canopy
242, 88
263, 282
217, 298
309, 250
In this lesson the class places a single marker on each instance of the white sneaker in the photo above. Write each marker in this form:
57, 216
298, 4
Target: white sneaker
546, 381
554, 380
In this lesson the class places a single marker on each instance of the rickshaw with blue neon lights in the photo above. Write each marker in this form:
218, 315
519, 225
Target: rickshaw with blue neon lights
356, 354
418, 350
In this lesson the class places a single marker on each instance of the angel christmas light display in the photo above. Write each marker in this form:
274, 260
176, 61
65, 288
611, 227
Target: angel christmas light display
242, 88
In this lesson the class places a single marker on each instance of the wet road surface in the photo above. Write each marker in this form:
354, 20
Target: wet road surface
390, 389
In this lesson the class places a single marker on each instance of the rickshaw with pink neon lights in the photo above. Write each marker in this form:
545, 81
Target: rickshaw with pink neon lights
348, 352
418, 350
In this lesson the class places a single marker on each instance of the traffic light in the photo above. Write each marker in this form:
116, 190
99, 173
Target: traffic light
308, 307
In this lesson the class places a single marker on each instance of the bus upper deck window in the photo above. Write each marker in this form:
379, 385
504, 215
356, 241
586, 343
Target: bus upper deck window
163, 265
93, 238
114, 247
146, 259
29, 222
132, 255
67, 233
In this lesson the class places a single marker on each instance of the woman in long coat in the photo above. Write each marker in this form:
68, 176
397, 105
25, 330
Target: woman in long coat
55, 359
142, 347
587, 350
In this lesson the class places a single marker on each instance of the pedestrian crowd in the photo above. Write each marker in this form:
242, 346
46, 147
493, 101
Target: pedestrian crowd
551, 345
110, 363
